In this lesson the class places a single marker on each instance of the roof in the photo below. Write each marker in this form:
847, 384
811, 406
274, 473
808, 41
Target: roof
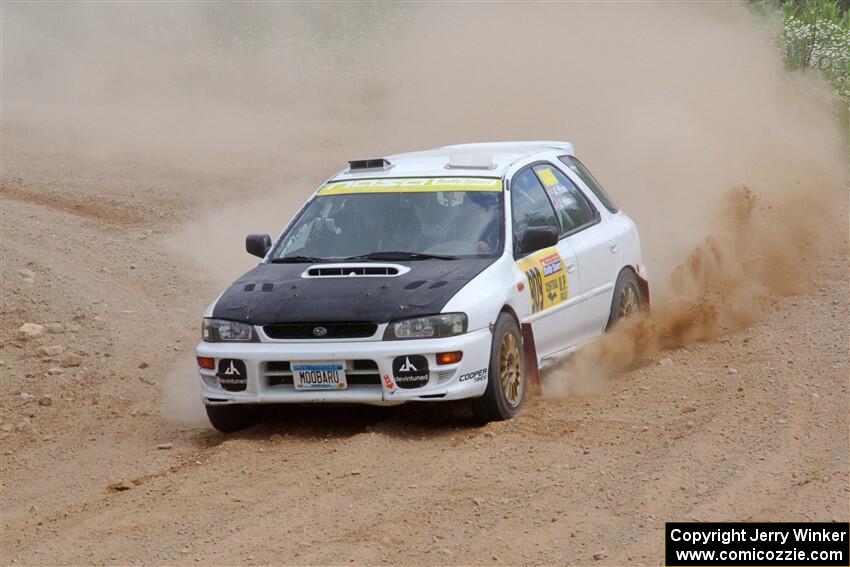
501, 155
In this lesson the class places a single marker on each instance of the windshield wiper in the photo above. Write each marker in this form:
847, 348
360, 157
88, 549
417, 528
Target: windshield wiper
400, 255
297, 260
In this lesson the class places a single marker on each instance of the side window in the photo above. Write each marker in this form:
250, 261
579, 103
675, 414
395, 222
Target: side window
529, 204
590, 181
572, 207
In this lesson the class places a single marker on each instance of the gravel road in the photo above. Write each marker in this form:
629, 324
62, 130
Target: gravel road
95, 469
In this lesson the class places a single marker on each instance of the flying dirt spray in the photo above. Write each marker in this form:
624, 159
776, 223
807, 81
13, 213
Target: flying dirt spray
734, 169
759, 254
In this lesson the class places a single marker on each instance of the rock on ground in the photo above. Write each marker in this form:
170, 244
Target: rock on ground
30, 331
52, 350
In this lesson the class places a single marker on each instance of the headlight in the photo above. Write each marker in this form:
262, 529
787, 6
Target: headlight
431, 327
218, 330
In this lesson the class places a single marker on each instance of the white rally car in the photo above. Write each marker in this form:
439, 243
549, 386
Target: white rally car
440, 275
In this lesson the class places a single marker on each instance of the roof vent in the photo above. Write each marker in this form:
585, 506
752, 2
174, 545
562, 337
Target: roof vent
471, 161
373, 164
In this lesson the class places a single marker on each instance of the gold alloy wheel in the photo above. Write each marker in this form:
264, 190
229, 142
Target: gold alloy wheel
629, 303
511, 374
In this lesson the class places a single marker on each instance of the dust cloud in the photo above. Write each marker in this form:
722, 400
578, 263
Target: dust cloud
758, 254
672, 105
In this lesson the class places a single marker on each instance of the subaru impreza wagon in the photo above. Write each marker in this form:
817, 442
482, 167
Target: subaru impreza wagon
448, 274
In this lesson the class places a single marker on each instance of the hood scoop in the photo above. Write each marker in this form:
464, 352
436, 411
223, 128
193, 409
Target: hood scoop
359, 270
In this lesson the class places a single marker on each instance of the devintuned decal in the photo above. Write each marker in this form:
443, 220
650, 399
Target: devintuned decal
547, 279
410, 371
232, 375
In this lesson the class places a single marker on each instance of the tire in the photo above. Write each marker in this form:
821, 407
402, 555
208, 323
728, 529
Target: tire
230, 418
496, 404
627, 301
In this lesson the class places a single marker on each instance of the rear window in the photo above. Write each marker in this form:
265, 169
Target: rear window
591, 182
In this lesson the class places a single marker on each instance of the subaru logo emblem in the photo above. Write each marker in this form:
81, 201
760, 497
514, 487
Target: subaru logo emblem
320, 331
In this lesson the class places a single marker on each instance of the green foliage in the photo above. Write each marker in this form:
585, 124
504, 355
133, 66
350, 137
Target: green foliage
817, 35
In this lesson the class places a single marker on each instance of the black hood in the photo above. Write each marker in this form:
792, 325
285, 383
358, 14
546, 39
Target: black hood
280, 295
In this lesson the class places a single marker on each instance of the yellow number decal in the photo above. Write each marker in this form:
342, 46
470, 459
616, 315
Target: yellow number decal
547, 279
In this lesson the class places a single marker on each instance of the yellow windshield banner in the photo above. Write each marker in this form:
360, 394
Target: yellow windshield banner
411, 185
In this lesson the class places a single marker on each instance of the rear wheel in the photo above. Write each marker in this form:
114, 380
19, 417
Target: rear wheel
230, 418
627, 301
506, 383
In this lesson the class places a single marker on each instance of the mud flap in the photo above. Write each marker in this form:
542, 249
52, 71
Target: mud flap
532, 372
643, 284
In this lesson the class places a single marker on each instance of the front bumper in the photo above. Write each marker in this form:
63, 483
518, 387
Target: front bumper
464, 379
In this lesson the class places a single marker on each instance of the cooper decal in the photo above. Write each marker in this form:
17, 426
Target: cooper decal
478, 376
410, 371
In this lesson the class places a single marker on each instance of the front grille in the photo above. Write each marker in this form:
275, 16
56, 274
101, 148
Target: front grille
357, 373
445, 375
342, 330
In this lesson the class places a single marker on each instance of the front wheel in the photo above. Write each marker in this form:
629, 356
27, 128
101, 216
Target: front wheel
230, 418
506, 381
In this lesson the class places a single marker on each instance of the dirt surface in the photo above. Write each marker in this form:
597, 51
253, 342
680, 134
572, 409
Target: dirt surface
751, 426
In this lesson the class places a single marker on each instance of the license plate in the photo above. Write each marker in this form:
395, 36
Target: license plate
319, 376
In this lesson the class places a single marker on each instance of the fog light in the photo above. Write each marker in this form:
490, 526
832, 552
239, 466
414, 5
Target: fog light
449, 357
206, 362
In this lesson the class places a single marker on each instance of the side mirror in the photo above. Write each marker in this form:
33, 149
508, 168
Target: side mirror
258, 244
538, 237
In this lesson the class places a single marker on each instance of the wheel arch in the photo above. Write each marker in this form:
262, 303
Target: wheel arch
532, 369
643, 285
643, 290
510, 311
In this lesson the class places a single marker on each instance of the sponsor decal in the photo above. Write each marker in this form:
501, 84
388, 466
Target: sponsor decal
388, 382
551, 264
478, 376
410, 371
415, 185
232, 375
547, 281
560, 195
546, 177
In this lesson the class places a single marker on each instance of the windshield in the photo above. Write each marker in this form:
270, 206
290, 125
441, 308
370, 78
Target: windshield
370, 217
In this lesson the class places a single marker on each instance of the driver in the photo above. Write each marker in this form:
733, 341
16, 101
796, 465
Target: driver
484, 220
378, 223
